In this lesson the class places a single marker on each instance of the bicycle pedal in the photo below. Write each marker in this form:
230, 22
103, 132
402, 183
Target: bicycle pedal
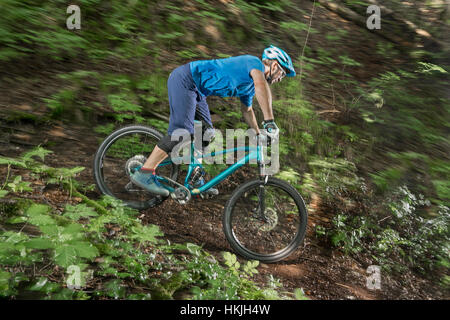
131, 187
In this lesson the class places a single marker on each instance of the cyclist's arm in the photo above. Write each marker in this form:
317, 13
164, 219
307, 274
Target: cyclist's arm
250, 118
262, 93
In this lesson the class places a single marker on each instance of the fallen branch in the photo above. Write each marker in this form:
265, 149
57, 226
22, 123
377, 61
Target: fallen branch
17, 129
329, 111
343, 285
100, 209
22, 143
157, 115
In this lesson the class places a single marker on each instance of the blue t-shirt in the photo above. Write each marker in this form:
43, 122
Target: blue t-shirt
228, 77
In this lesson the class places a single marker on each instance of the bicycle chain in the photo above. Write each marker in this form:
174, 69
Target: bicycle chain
186, 191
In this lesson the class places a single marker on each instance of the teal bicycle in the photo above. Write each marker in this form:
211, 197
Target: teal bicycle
264, 219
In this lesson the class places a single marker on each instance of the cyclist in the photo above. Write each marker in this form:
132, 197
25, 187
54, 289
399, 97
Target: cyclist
188, 86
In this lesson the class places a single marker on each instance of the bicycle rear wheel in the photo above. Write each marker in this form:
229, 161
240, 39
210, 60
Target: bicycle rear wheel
265, 222
120, 153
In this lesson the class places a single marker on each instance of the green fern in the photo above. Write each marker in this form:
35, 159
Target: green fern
79, 211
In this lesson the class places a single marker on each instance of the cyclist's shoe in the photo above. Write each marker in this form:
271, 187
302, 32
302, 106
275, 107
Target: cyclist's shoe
149, 182
210, 191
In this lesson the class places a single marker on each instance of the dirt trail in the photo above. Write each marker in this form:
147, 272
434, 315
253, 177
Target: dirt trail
322, 273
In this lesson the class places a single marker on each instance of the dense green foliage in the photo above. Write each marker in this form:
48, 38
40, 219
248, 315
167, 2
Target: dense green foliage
365, 133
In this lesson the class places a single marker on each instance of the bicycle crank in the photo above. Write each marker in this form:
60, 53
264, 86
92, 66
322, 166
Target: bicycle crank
181, 194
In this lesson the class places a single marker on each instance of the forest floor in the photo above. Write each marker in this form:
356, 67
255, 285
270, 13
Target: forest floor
323, 273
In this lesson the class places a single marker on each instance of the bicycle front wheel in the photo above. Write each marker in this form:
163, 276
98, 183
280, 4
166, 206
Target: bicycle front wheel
120, 153
265, 222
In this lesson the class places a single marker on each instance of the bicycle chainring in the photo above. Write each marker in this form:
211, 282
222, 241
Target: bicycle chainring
181, 194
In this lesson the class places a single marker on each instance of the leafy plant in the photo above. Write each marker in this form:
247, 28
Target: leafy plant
17, 185
79, 211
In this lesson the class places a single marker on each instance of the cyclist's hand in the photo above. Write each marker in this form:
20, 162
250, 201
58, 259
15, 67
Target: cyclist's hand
261, 138
272, 130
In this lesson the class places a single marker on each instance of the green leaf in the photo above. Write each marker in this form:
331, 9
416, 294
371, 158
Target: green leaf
115, 289
17, 220
79, 211
3, 193
64, 294
40, 283
146, 233
44, 286
86, 250
289, 175
37, 209
38, 216
38, 152
231, 260
41, 220
5, 251
4, 281
51, 230
69, 173
169, 36
13, 162
349, 61
250, 267
429, 67
299, 294
65, 256
74, 230
193, 249
19, 186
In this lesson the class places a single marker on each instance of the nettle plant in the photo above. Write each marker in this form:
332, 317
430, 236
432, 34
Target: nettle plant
409, 236
420, 238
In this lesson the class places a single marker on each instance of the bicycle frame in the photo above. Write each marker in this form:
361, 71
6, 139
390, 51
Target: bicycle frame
252, 153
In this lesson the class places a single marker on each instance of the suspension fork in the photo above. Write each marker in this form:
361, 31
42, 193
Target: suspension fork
263, 178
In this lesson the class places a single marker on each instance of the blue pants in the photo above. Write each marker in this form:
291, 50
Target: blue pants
186, 102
